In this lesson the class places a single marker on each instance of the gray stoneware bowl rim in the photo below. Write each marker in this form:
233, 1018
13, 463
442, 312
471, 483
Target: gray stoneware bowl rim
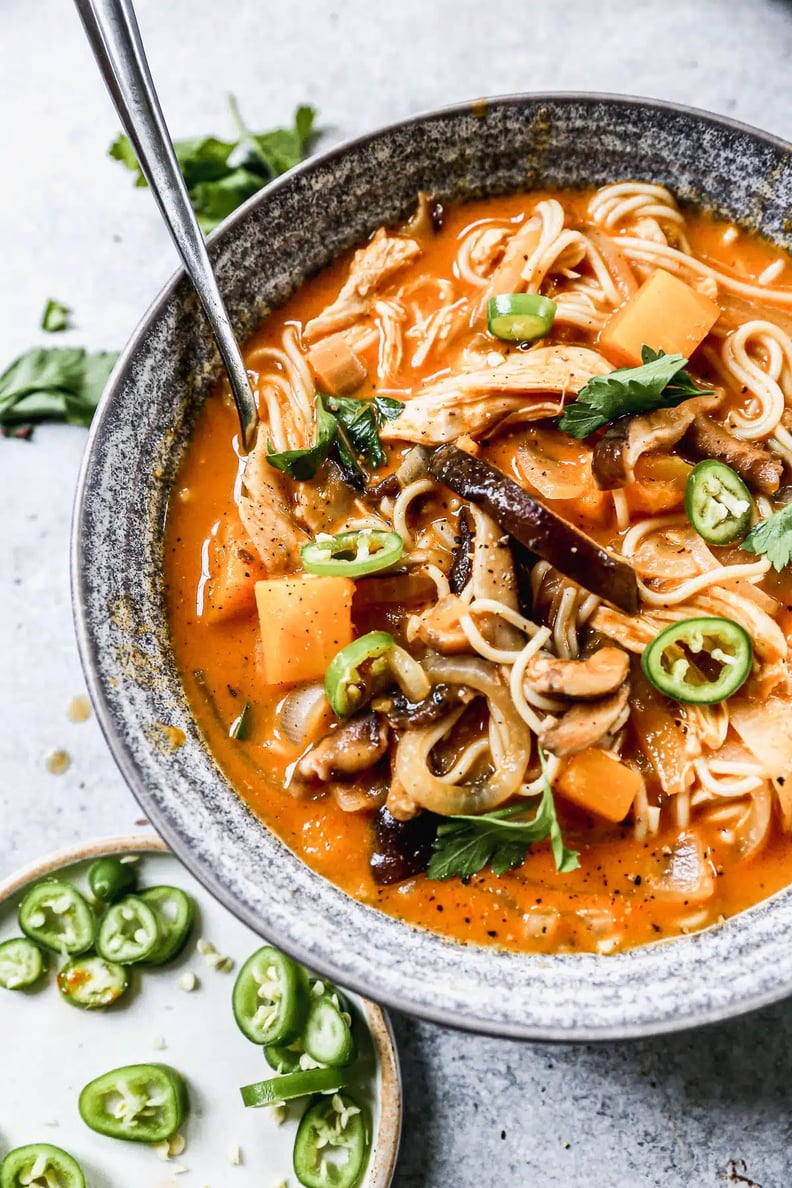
376, 983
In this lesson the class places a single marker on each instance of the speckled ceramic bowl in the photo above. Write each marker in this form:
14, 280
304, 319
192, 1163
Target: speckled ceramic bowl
262, 254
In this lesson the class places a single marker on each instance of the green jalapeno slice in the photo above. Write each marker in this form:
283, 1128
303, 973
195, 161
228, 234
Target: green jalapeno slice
40, 1163
699, 661
352, 554
358, 672
718, 503
140, 1103
520, 317
54, 914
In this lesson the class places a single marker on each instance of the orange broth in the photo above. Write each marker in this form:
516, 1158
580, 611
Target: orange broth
532, 908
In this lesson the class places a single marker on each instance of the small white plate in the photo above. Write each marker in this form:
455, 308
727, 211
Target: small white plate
51, 1049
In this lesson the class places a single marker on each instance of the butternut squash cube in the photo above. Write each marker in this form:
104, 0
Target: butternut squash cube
598, 783
304, 622
665, 314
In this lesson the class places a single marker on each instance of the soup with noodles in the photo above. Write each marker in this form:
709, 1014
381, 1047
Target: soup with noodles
492, 626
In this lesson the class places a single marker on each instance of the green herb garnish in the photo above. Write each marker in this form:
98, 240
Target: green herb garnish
660, 382
347, 427
466, 844
773, 538
52, 384
240, 727
222, 174
55, 317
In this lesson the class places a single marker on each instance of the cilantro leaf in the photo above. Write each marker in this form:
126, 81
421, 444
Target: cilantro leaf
303, 464
53, 384
660, 382
222, 174
465, 845
773, 538
348, 427
55, 317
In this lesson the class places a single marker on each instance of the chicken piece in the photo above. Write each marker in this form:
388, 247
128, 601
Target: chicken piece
754, 464
372, 266
336, 366
623, 443
473, 401
266, 513
594, 677
632, 632
354, 747
508, 276
584, 725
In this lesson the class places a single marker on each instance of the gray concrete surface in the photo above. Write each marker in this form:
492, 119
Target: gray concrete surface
680, 1111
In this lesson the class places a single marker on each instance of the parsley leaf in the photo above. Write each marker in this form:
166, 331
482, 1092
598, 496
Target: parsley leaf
466, 844
222, 174
773, 537
53, 384
660, 382
348, 427
55, 317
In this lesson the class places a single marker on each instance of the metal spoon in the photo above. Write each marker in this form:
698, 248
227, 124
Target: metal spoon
112, 29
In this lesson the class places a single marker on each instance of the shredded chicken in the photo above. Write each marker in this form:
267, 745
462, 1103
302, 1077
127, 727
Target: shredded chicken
593, 677
584, 725
473, 401
508, 276
371, 268
354, 747
439, 627
266, 514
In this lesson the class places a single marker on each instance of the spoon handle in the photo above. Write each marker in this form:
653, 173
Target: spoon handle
114, 36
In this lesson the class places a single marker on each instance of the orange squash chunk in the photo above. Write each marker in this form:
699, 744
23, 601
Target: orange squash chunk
665, 314
598, 783
659, 486
234, 568
304, 622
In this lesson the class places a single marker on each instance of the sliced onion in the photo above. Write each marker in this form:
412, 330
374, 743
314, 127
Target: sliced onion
686, 873
751, 832
412, 766
556, 466
410, 677
414, 465
304, 714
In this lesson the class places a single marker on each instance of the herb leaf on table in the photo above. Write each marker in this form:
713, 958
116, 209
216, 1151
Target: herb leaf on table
222, 174
52, 384
55, 317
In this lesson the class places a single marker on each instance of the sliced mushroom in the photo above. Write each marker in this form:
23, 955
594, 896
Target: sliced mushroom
754, 464
354, 747
402, 713
462, 567
599, 674
584, 725
536, 527
623, 443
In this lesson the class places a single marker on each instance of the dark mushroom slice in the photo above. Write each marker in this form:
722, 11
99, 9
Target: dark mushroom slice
402, 849
402, 713
354, 747
462, 567
536, 527
754, 464
585, 724
591, 677
626, 440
